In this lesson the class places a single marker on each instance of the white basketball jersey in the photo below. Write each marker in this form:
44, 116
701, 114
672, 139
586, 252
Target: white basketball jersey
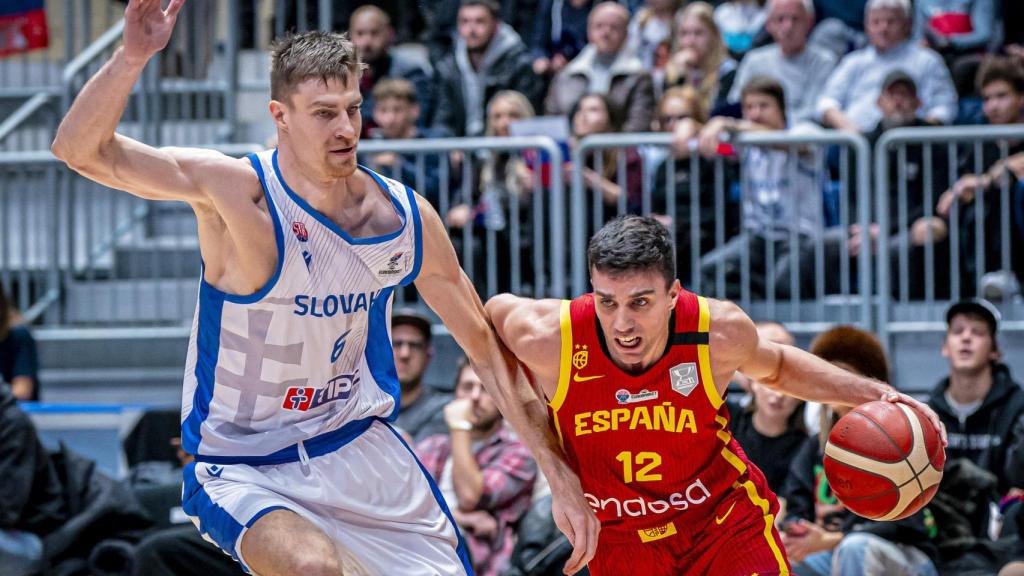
308, 358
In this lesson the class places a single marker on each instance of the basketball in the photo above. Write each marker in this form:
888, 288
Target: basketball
884, 460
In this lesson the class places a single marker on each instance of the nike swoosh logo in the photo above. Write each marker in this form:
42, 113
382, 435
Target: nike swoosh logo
578, 378
720, 519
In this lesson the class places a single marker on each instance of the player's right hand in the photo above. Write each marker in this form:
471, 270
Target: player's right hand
576, 519
147, 28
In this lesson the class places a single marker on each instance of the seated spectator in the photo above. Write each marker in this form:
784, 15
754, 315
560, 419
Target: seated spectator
822, 538
560, 35
19, 365
595, 114
488, 57
955, 27
419, 413
740, 21
485, 473
607, 67
840, 27
396, 113
699, 57
650, 31
802, 69
850, 98
681, 111
979, 402
781, 200
371, 31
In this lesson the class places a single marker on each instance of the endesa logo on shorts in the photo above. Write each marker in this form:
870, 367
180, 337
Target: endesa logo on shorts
694, 495
303, 398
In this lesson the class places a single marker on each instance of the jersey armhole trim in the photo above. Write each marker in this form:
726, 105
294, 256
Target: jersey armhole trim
417, 231
258, 295
704, 355
565, 364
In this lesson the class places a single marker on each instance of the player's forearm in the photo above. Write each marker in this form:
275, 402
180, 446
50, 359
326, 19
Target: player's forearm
806, 376
96, 112
466, 475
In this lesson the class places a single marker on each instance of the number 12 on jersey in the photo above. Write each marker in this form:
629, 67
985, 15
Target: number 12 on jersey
644, 462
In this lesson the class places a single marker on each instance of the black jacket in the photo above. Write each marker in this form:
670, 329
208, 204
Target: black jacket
985, 436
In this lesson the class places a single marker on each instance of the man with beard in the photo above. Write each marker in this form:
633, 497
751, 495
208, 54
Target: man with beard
421, 407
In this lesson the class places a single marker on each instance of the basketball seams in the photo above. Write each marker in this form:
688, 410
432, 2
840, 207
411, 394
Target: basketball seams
892, 441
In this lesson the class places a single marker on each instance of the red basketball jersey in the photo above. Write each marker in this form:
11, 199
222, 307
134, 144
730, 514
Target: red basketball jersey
653, 450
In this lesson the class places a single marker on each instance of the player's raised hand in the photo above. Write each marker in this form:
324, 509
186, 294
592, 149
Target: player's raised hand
576, 520
147, 27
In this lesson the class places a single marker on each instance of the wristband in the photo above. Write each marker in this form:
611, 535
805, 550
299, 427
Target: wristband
460, 425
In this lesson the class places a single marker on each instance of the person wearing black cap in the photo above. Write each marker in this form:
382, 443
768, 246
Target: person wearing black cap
421, 407
979, 403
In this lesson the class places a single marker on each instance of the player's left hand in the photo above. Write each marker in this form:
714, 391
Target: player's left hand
894, 396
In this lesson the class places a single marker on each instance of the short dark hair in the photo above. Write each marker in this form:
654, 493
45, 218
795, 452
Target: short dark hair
492, 6
296, 58
632, 244
766, 86
996, 68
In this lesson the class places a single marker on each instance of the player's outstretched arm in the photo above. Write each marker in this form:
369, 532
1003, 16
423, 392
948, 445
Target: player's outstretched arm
86, 139
792, 371
447, 290
531, 330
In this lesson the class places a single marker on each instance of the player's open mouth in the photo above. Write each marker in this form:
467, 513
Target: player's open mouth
343, 151
628, 343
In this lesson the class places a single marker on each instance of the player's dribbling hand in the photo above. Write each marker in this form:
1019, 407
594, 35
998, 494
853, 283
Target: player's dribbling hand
147, 28
575, 519
894, 396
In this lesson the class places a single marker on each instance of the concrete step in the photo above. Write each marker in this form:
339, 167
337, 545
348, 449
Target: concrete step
131, 302
112, 385
163, 257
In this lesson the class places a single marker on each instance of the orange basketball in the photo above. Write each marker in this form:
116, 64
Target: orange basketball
884, 460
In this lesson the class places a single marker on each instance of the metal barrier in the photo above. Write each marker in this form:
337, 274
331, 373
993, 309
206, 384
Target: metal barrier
977, 255
76, 252
722, 259
518, 227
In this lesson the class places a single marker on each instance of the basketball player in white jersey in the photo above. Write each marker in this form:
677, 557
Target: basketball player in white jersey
290, 381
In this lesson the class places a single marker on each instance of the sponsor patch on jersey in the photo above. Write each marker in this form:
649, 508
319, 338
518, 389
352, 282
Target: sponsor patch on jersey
303, 398
392, 265
624, 397
299, 229
684, 377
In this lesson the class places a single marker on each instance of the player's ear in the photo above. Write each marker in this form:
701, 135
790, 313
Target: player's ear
277, 112
673, 292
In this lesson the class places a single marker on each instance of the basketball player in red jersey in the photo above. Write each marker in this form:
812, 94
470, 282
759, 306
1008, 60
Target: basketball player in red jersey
635, 396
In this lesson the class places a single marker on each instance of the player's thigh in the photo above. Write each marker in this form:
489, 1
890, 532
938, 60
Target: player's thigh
284, 543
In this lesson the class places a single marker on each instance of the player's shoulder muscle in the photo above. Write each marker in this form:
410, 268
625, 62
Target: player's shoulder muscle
530, 328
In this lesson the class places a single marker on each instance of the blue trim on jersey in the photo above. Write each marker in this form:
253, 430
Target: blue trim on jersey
278, 237
211, 307
214, 521
417, 228
380, 356
327, 222
461, 550
316, 446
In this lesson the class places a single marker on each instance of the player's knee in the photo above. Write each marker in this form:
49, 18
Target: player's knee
324, 563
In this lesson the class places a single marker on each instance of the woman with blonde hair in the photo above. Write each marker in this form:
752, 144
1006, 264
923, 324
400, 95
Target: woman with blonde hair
699, 56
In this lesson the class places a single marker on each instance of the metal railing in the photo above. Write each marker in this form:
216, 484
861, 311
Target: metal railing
971, 252
722, 259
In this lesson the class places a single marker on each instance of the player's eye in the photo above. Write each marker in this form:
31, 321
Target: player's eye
324, 114
640, 302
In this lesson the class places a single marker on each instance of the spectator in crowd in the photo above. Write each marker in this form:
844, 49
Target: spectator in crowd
899, 104
979, 402
606, 66
770, 428
371, 31
560, 34
780, 195
595, 114
699, 57
840, 27
488, 57
650, 31
681, 111
821, 537
19, 365
395, 113
740, 21
850, 98
955, 27
420, 407
485, 473
802, 69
